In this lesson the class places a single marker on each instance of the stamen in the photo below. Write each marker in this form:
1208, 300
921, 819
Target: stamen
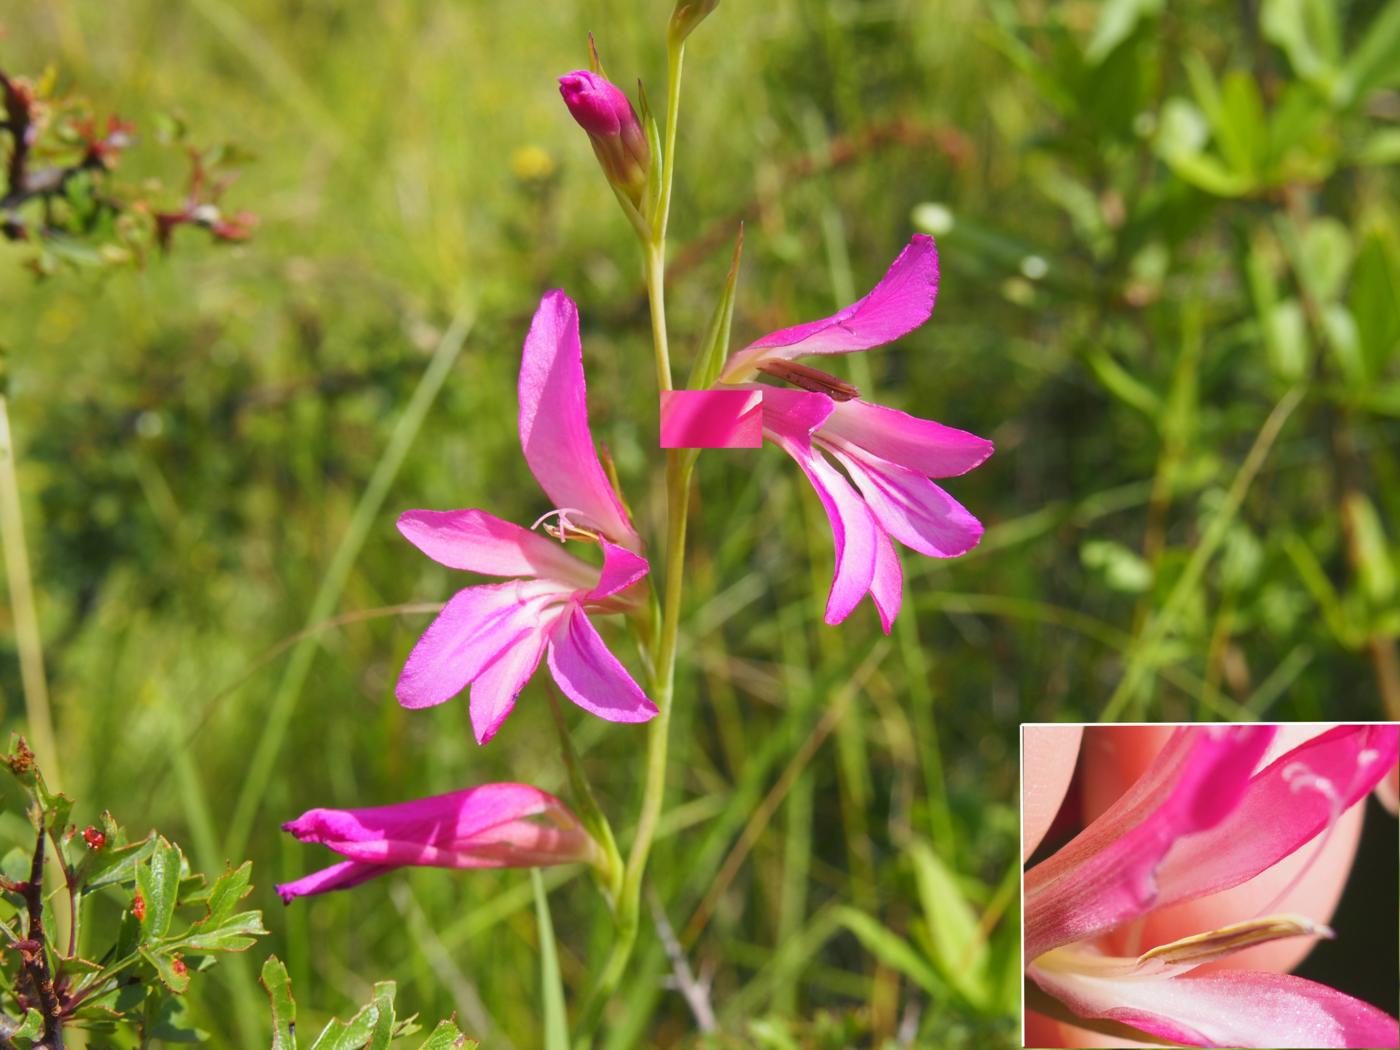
810, 379
1216, 944
564, 529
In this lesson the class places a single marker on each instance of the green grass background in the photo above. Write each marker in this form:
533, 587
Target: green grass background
195, 435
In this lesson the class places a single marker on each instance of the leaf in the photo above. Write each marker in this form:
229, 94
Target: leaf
1306, 31
33, 1026
891, 949
1374, 565
959, 948
173, 973
173, 1024
225, 893
284, 1008
714, 349
556, 1024
1376, 60
113, 866
235, 934
158, 882
349, 1035
384, 992
1117, 21
1121, 383
446, 1036
1375, 301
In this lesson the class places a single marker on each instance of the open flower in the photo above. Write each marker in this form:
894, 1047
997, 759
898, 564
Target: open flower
888, 456
492, 637
492, 826
1211, 813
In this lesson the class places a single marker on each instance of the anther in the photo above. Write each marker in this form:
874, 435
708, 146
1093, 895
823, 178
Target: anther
810, 379
564, 530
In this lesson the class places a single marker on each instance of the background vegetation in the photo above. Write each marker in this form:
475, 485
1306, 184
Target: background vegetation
1171, 270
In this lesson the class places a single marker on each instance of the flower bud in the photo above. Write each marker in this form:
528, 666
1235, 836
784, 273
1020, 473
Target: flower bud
688, 15
605, 112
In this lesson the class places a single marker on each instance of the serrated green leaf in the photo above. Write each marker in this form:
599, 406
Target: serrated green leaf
158, 882
714, 348
384, 1028
278, 986
112, 866
353, 1034
235, 934
225, 892
447, 1036
172, 972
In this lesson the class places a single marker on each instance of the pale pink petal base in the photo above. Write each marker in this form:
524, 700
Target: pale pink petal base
1232, 1008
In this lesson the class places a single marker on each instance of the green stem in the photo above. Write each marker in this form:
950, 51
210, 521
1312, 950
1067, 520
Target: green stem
679, 468
27, 637
675, 58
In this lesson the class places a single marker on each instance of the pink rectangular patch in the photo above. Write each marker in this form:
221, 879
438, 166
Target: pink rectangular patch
711, 418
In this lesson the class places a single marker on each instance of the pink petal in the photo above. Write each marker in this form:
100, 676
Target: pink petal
340, 876
494, 691
1281, 811
473, 629
792, 415
901, 302
1227, 1008
911, 508
450, 817
1107, 875
887, 585
730, 418
590, 675
621, 569
854, 534
554, 421
478, 542
923, 446
491, 826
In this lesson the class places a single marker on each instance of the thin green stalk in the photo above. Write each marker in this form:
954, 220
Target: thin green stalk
675, 58
656, 299
284, 702
586, 803
27, 638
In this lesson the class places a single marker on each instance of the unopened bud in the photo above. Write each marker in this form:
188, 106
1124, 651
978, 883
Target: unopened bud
603, 110
688, 15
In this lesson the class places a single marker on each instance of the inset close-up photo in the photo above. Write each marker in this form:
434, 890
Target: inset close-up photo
1210, 885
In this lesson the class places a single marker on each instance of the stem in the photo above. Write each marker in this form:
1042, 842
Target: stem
656, 299
675, 58
27, 638
679, 467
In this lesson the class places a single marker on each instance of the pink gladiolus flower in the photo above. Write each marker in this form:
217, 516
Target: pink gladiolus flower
492, 637
1209, 814
888, 456
492, 826
603, 110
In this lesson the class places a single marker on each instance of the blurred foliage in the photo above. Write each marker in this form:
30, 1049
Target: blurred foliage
1168, 236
